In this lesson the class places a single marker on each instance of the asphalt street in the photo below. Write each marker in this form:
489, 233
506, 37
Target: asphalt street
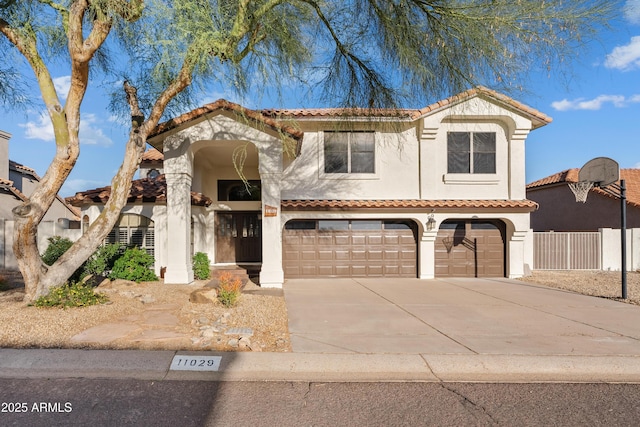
106, 402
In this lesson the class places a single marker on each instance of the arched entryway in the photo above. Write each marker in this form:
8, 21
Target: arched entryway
470, 248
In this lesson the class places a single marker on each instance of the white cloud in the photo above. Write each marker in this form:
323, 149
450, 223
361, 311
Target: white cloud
62, 85
90, 131
596, 103
626, 57
632, 11
637, 165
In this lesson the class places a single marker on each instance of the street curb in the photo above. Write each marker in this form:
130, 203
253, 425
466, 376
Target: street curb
247, 366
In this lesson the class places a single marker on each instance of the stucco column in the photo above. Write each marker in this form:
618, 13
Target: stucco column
271, 274
517, 254
179, 269
427, 267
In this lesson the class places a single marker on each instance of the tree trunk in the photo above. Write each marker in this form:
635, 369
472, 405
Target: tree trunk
38, 277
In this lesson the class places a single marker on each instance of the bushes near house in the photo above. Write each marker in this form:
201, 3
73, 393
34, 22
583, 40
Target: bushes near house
57, 246
135, 265
229, 288
201, 263
102, 261
3, 284
75, 295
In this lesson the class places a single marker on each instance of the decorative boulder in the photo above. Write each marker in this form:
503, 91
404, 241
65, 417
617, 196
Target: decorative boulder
204, 295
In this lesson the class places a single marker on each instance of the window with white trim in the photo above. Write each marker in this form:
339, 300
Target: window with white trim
349, 152
471, 152
133, 230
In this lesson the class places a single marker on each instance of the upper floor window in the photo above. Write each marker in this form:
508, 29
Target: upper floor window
349, 152
471, 152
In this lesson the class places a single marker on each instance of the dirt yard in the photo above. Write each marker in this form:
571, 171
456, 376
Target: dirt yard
150, 316
160, 317
605, 284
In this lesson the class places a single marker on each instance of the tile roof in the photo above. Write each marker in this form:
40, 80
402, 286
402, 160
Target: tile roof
144, 190
540, 119
408, 204
631, 178
273, 117
152, 155
8, 185
24, 170
223, 104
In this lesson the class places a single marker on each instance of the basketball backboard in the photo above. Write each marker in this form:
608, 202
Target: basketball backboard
602, 171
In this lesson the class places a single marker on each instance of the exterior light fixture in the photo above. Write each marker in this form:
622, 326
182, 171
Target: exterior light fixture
431, 222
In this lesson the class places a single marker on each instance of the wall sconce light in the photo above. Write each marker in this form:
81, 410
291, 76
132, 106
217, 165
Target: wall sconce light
431, 223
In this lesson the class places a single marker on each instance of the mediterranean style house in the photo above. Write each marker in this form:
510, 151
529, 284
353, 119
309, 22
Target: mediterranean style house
17, 182
434, 192
558, 210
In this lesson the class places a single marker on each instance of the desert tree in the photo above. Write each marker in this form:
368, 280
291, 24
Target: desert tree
348, 53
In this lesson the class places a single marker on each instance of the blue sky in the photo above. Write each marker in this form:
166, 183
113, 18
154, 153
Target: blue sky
595, 111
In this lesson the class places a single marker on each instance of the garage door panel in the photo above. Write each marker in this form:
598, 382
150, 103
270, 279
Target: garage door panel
360, 251
359, 240
479, 249
342, 240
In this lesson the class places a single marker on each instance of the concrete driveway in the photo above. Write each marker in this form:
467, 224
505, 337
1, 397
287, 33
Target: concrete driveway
455, 316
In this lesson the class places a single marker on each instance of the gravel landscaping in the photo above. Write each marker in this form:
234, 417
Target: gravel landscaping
160, 317
162, 314
605, 284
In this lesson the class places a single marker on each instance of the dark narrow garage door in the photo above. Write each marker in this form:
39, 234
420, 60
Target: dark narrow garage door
349, 248
470, 248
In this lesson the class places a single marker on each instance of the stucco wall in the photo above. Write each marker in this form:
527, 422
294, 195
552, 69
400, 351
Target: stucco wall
559, 211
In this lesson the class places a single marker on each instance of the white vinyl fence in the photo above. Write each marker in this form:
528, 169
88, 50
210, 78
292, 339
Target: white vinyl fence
599, 250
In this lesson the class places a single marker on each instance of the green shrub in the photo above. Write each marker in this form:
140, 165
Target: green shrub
75, 295
102, 260
201, 266
57, 246
134, 265
229, 289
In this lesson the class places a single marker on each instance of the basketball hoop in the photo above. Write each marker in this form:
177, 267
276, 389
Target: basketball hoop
581, 190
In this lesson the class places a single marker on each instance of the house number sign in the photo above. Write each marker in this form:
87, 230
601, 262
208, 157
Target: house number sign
182, 362
270, 210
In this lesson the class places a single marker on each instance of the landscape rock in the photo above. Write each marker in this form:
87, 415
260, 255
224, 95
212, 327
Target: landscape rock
203, 296
147, 299
233, 342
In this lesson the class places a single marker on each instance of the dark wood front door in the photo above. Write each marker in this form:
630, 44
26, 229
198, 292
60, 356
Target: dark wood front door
238, 237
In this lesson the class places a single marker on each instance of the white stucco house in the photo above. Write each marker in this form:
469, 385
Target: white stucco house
17, 182
434, 192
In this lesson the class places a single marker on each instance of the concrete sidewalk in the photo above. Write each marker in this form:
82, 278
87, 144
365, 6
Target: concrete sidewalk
494, 330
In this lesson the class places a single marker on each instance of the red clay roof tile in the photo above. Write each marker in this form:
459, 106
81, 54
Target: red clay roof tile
409, 204
223, 104
630, 176
142, 190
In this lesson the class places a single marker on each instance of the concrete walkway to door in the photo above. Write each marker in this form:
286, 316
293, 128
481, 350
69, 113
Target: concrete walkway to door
455, 316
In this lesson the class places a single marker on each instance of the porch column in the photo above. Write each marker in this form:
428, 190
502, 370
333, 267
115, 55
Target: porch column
179, 269
271, 274
427, 267
516, 254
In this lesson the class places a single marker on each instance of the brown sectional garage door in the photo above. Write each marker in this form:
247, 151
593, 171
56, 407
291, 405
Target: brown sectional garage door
470, 248
349, 248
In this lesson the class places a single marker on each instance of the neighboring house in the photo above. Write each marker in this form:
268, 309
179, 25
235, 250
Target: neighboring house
559, 211
17, 182
424, 193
